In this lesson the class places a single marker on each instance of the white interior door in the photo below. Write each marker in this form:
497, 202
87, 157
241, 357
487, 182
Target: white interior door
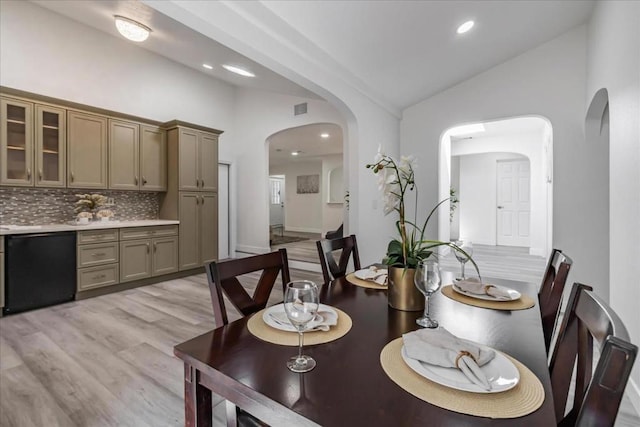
276, 200
514, 203
224, 224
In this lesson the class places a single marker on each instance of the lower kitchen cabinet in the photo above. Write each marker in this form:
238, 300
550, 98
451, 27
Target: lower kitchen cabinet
165, 256
97, 277
1, 272
97, 259
136, 260
198, 228
147, 252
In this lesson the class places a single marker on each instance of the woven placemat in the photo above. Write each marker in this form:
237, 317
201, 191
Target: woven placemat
526, 397
275, 336
522, 303
351, 278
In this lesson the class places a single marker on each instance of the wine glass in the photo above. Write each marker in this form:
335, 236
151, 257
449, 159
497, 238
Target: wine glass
427, 280
301, 305
466, 246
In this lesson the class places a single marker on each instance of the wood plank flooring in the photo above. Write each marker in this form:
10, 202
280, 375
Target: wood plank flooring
305, 250
108, 361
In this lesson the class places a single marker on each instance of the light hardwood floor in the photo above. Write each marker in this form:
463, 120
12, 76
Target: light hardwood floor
305, 250
108, 361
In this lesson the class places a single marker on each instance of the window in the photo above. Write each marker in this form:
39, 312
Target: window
276, 187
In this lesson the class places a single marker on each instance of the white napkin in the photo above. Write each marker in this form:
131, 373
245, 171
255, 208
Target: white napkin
373, 274
440, 347
322, 322
475, 287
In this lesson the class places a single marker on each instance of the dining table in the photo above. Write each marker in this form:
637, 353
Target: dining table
349, 387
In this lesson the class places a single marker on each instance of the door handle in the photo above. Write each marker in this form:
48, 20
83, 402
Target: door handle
500, 207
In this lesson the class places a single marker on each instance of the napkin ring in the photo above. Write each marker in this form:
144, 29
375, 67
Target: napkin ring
487, 287
464, 353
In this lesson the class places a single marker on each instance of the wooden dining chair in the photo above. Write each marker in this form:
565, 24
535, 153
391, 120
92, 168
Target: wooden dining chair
597, 393
332, 269
222, 277
551, 291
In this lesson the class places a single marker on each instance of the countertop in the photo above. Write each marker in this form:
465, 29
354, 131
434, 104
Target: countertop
7, 230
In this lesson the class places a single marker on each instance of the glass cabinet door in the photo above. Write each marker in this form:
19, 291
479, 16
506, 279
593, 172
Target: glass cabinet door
50, 146
16, 143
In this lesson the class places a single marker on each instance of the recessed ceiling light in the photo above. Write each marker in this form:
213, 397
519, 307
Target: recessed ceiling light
238, 70
324, 135
466, 129
465, 27
207, 66
295, 153
131, 29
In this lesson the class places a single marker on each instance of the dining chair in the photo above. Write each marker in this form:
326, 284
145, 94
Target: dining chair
332, 269
597, 392
551, 291
222, 277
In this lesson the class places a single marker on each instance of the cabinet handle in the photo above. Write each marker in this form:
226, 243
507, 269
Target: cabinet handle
99, 254
155, 247
144, 181
72, 177
40, 174
29, 173
99, 276
203, 200
147, 248
135, 179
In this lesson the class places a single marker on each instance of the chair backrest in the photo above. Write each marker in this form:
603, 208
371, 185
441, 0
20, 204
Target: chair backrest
222, 279
597, 393
330, 269
550, 294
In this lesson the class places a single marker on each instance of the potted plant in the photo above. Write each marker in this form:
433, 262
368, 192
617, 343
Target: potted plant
395, 181
87, 204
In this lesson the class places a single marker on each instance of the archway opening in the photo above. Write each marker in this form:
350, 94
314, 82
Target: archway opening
306, 187
501, 172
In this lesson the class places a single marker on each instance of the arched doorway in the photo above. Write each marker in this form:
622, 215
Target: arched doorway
473, 158
306, 187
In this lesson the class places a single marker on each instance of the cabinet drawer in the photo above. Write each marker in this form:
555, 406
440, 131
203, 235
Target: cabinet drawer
96, 277
147, 232
97, 254
95, 236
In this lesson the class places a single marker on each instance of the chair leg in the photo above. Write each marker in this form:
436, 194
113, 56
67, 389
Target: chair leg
232, 414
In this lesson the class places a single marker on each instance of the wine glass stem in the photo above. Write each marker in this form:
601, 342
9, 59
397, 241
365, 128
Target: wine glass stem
300, 345
462, 268
426, 307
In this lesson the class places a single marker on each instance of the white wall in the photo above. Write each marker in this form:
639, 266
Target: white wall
548, 81
529, 145
303, 212
478, 196
613, 62
332, 213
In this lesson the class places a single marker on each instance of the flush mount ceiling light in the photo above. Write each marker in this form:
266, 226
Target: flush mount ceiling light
324, 135
238, 70
131, 29
466, 129
465, 27
207, 66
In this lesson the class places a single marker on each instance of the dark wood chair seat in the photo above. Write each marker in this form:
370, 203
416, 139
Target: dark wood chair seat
332, 269
597, 393
222, 277
551, 291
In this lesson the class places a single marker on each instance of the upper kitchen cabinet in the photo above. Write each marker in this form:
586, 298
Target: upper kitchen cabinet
124, 151
153, 158
87, 150
28, 161
16, 161
197, 155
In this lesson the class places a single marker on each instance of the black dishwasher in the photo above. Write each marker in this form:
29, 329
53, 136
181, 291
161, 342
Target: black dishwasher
40, 270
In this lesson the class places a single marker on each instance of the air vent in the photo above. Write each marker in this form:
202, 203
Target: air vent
300, 109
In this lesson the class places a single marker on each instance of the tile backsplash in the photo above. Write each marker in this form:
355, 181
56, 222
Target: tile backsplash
40, 206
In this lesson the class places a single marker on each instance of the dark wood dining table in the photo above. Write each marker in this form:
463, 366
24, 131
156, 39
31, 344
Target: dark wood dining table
348, 387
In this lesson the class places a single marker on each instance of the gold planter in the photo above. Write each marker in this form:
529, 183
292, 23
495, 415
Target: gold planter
403, 294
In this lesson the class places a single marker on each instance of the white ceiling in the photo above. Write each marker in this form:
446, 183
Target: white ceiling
175, 41
306, 139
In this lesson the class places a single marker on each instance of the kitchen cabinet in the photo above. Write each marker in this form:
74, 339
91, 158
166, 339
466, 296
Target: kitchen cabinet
198, 159
124, 155
155, 255
98, 258
153, 158
198, 229
87, 150
33, 144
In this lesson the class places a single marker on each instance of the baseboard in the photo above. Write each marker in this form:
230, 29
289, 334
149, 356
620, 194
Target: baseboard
253, 249
633, 391
303, 230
